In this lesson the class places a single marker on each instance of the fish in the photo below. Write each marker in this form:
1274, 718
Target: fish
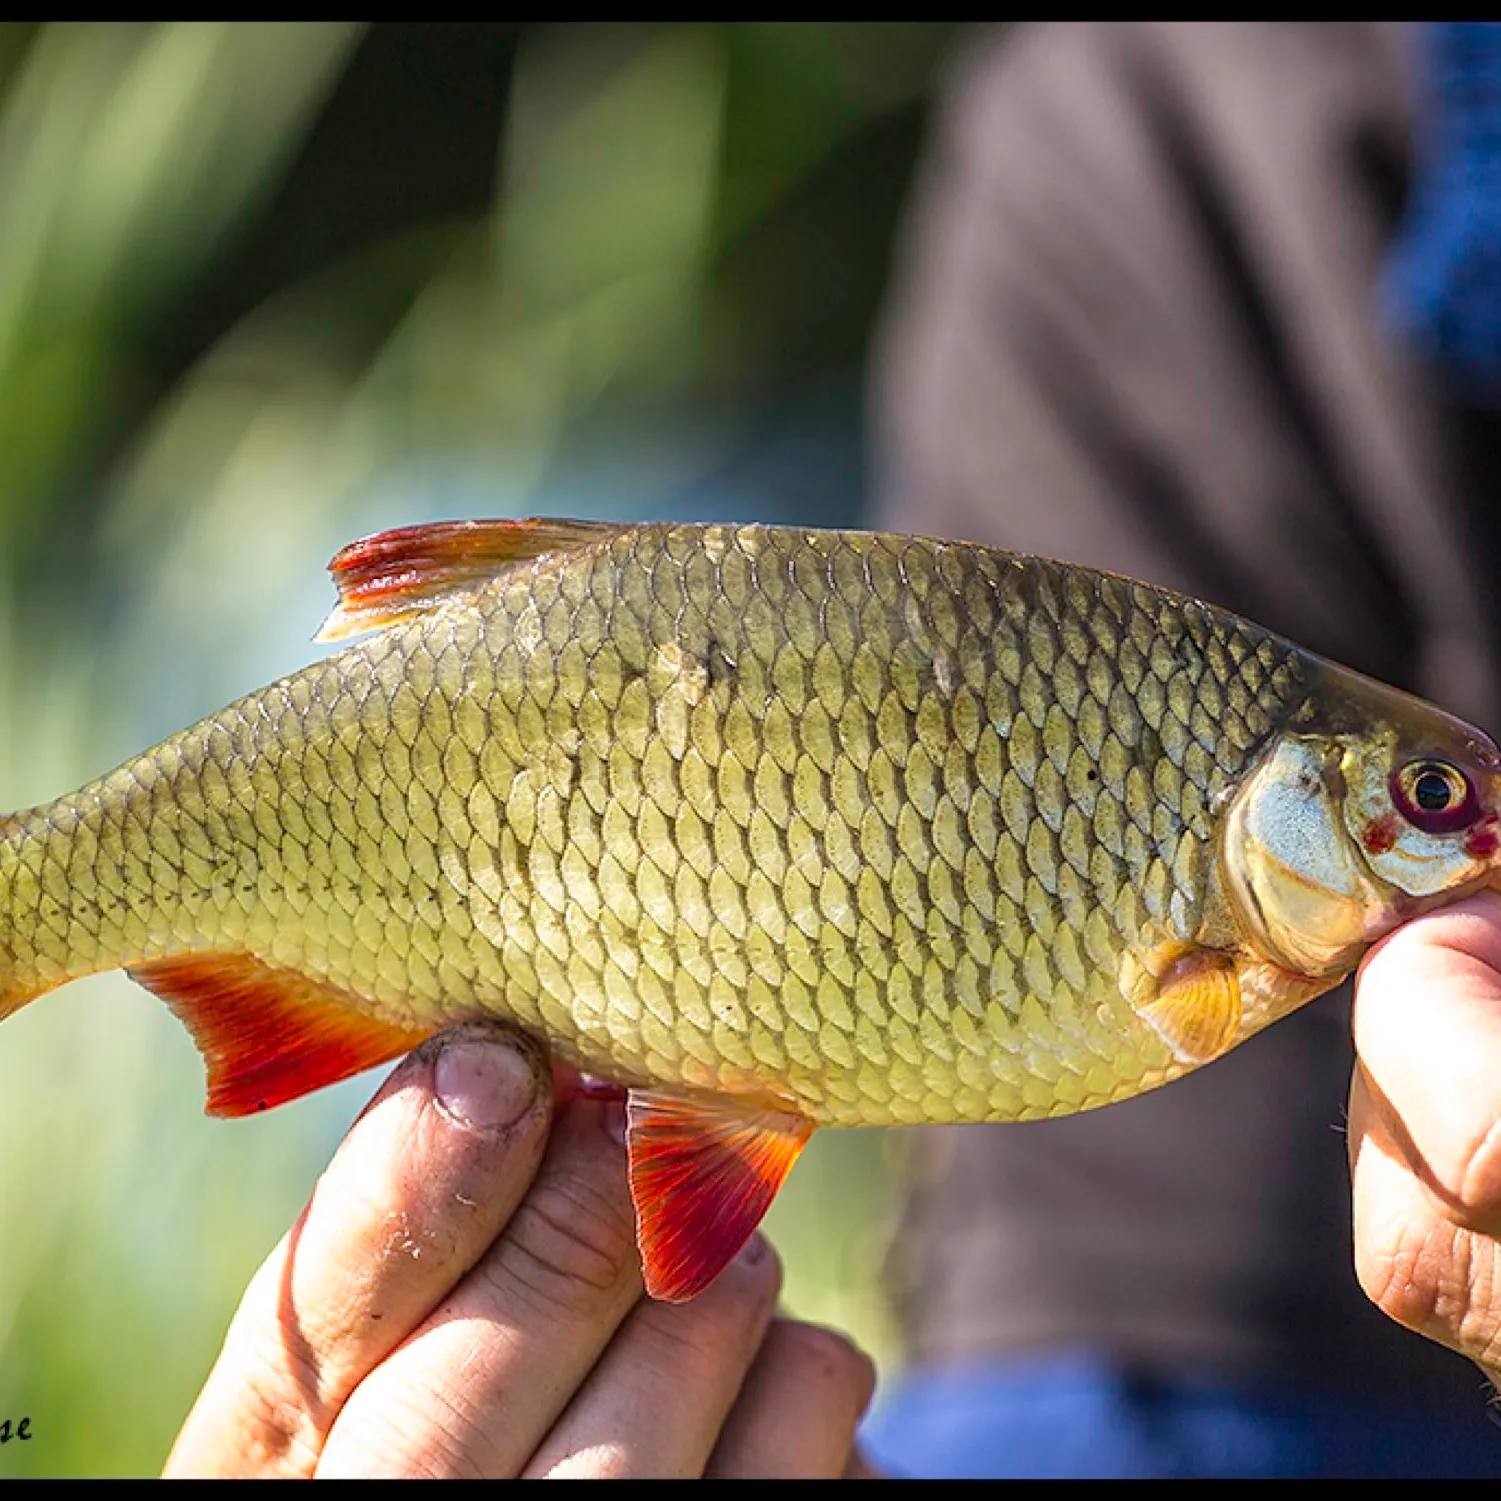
770, 829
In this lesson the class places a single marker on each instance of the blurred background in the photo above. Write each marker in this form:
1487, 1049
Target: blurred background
264, 289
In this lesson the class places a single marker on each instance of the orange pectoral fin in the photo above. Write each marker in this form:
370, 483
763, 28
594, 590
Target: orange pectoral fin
702, 1176
269, 1035
1197, 1009
397, 574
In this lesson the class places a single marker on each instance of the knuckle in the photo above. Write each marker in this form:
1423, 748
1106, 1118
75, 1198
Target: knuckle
750, 1282
679, 1343
1418, 1274
1477, 1181
726, 1320
568, 1243
827, 1357
411, 1434
1388, 1276
278, 1393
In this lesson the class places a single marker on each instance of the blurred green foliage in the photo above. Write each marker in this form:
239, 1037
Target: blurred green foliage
267, 287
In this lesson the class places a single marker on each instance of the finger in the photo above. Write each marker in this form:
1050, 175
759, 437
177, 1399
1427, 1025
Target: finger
417, 1191
1428, 1032
655, 1403
1419, 1267
480, 1383
799, 1407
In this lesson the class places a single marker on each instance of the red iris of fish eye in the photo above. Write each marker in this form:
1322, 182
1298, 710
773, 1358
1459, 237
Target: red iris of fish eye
1458, 815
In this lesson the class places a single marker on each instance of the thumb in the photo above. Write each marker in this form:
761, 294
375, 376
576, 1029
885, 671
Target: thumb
1427, 1022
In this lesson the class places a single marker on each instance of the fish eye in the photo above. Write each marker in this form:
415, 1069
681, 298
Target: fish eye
1434, 796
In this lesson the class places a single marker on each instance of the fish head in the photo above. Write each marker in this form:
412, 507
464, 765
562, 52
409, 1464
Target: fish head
1370, 807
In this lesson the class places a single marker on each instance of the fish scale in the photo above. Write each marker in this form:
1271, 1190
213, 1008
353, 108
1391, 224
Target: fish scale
863, 825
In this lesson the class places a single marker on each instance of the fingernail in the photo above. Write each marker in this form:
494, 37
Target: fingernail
485, 1085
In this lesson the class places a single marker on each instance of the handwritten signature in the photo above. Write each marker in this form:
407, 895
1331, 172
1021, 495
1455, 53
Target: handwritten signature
15, 1428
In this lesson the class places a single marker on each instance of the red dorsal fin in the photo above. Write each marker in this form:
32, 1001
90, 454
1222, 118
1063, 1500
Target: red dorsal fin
702, 1175
397, 574
269, 1035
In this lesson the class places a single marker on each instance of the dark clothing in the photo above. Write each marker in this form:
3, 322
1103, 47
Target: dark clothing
1137, 327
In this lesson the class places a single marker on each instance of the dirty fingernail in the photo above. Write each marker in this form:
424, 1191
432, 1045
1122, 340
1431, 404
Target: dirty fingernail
487, 1085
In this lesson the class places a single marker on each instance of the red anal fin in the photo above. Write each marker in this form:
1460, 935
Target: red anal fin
397, 574
703, 1173
269, 1035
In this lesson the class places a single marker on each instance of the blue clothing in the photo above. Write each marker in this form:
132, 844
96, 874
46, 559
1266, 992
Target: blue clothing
1442, 285
1082, 1416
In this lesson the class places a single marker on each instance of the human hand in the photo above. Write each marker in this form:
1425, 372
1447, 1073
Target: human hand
1425, 1128
462, 1297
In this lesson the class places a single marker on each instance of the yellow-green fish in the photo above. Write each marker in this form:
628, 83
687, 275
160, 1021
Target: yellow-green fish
776, 829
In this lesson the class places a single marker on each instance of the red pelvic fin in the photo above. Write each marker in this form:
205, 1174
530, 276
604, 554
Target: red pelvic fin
269, 1035
397, 574
703, 1173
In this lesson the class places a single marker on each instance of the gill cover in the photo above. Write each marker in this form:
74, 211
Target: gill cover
1296, 877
